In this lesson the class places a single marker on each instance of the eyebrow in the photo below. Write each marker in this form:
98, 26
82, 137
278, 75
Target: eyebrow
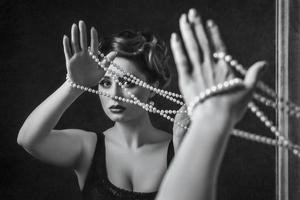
109, 78
105, 77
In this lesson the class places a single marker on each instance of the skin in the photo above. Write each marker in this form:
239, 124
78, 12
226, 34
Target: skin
135, 150
194, 170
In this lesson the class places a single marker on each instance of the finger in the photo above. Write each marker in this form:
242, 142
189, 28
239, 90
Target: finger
83, 36
94, 40
215, 37
179, 55
108, 58
254, 73
67, 49
201, 36
74, 38
190, 43
195, 18
111, 56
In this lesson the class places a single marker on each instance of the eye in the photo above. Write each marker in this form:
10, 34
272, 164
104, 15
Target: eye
126, 83
105, 83
129, 85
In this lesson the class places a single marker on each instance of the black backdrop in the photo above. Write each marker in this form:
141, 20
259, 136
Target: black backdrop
32, 67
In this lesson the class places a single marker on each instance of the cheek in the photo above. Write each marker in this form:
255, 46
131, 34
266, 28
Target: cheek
103, 100
141, 93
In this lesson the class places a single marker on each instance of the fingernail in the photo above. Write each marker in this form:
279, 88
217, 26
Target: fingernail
192, 12
210, 23
174, 36
183, 17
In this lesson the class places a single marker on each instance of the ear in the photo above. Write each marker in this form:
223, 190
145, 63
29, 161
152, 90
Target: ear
152, 94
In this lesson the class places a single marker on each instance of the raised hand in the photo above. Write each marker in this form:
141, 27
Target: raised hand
81, 68
198, 70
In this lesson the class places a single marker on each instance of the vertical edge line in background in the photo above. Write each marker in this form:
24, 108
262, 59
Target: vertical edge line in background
282, 55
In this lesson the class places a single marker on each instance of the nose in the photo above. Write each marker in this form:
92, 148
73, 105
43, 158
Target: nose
116, 90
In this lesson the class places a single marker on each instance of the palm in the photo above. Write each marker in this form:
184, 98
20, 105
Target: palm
81, 67
203, 72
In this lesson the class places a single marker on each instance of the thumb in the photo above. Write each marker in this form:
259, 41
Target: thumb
254, 73
108, 58
111, 55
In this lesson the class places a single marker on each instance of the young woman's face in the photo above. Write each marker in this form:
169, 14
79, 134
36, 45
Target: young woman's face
118, 110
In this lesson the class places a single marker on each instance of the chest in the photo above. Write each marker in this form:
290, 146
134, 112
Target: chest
140, 171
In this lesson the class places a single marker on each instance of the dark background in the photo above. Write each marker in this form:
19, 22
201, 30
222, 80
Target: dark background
32, 67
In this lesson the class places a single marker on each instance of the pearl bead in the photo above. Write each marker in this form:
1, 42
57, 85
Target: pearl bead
233, 62
228, 58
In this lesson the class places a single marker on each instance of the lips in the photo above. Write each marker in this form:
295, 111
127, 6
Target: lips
117, 109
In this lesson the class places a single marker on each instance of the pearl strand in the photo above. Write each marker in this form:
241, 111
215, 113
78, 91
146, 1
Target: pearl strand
262, 86
115, 74
212, 91
162, 113
292, 109
136, 80
265, 140
148, 107
238, 133
271, 103
145, 106
268, 123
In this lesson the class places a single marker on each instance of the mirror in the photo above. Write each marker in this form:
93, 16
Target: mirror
33, 67
288, 51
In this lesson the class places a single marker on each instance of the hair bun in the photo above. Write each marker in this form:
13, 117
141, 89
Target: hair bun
145, 48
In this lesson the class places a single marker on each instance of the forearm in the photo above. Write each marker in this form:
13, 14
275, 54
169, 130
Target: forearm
45, 117
193, 173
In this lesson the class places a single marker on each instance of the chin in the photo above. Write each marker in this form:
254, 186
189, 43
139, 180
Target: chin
117, 117
123, 117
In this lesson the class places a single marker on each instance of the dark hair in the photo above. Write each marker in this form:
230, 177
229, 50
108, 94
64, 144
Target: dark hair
144, 48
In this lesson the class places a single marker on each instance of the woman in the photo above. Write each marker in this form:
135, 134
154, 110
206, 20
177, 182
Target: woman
127, 160
194, 171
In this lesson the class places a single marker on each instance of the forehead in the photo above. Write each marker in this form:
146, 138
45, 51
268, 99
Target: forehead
126, 65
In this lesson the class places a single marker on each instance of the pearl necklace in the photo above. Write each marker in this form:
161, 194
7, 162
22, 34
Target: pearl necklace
133, 79
169, 95
267, 122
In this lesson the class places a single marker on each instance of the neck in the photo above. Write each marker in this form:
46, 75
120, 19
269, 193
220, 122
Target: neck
134, 133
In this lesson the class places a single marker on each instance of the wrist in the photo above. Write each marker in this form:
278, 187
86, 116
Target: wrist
213, 113
71, 89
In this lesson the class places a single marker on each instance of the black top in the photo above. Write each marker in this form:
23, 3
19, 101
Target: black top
97, 185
